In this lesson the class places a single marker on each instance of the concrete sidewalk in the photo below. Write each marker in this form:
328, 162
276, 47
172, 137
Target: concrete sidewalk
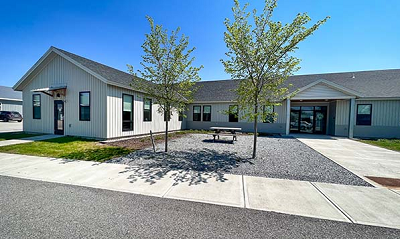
354, 204
360, 158
29, 140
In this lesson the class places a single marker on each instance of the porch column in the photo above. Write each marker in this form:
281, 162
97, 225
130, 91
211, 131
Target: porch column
351, 118
287, 116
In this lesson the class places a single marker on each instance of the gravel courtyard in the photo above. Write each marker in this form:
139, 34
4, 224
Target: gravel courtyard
278, 157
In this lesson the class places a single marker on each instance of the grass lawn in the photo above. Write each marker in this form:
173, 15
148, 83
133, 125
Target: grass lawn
69, 148
16, 135
393, 144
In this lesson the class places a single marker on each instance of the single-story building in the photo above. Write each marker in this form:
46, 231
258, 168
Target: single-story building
67, 94
10, 100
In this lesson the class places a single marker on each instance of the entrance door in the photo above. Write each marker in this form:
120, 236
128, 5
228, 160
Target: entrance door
308, 119
58, 117
320, 120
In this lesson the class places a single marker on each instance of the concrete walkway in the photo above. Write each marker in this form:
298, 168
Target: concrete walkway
354, 204
29, 140
361, 159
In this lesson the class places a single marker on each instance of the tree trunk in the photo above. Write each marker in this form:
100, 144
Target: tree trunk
166, 131
255, 133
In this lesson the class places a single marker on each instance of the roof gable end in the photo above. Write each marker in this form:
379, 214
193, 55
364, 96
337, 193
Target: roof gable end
322, 89
44, 60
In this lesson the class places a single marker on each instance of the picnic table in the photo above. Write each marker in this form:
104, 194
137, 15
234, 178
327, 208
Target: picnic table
225, 131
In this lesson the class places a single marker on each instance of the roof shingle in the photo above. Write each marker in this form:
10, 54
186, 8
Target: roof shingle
377, 83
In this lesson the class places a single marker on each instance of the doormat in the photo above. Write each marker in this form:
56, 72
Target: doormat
387, 182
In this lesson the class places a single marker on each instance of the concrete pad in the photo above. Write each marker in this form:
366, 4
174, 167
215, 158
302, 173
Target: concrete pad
29, 140
360, 158
124, 182
96, 175
14, 141
365, 205
15, 163
289, 196
12, 126
57, 170
5, 158
228, 192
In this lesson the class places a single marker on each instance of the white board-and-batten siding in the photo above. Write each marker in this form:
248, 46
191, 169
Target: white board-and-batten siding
114, 115
61, 71
11, 105
320, 91
384, 112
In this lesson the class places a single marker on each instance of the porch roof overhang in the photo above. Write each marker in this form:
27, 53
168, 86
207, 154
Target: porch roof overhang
49, 90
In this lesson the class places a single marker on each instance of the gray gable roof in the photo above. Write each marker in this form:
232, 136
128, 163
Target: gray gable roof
9, 93
372, 84
377, 83
109, 73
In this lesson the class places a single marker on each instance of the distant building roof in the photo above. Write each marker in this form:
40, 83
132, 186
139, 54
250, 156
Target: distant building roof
9, 93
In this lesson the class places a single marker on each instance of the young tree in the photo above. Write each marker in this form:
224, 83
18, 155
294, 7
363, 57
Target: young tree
261, 55
168, 76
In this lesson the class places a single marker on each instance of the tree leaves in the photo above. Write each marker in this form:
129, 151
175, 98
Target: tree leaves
168, 74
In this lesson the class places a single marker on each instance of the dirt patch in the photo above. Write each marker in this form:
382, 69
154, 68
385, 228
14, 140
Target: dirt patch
387, 182
145, 142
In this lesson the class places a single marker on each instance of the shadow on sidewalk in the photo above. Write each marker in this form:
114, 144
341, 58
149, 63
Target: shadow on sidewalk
193, 166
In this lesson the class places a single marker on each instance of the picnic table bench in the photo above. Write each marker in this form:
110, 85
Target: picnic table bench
224, 131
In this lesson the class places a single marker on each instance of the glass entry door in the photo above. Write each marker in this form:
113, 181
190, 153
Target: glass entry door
59, 117
308, 119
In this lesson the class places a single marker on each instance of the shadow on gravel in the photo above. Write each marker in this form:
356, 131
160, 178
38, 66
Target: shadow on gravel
193, 166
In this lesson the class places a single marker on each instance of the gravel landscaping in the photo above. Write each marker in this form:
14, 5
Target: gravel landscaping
278, 157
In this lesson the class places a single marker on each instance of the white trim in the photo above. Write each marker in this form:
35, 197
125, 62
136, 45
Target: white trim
352, 117
379, 98
351, 93
324, 98
10, 99
288, 107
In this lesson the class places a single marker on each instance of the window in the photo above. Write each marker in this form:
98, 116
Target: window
233, 113
147, 105
127, 112
268, 113
36, 101
84, 106
197, 113
180, 116
364, 113
207, 113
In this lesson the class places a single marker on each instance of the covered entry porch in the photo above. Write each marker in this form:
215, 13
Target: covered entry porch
321, 108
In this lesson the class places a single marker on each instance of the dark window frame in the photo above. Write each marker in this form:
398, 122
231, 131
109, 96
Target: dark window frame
265, 119
80, 106
369, 122
236, 117
33, 106
207, 113
131, 120
150, 110
196, 113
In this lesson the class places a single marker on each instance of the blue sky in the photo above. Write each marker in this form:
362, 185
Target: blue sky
361, 34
